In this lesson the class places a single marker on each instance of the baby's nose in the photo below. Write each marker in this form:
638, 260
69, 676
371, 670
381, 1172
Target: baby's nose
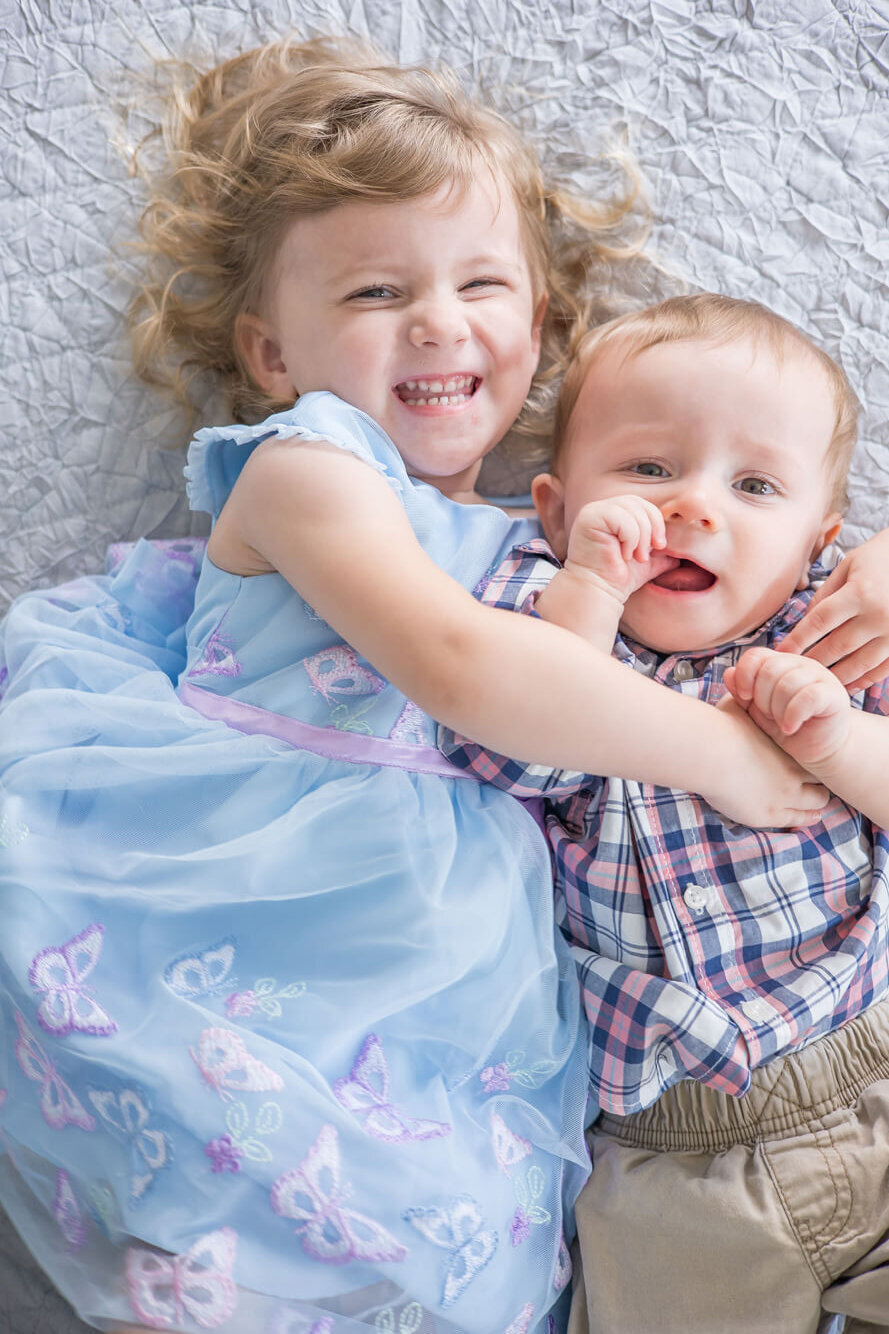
693, 503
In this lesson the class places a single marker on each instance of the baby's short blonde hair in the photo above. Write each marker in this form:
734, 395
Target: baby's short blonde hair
711, 318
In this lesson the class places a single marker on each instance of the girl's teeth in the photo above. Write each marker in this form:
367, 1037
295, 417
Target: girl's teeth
437, 392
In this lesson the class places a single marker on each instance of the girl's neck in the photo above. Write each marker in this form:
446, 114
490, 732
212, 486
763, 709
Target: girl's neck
460, 488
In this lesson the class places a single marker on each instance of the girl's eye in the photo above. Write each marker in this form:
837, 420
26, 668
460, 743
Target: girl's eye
478, 283
381, 293
648, 468
756, 486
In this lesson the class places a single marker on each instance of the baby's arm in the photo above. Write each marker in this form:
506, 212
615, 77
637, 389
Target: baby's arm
614, 548
846, 624
805, 709
334, 528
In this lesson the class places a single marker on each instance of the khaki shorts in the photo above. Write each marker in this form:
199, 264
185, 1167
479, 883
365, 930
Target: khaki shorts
707, 1214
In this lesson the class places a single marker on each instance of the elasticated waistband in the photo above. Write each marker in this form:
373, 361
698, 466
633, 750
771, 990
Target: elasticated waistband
785, 1097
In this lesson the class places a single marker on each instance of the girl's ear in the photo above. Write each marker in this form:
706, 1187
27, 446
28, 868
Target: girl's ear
537, 321
262, 354
549, 501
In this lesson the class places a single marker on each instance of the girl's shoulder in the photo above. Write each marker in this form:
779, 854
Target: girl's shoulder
217, 454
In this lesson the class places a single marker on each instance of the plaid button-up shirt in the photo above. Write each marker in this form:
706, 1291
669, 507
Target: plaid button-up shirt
704, 948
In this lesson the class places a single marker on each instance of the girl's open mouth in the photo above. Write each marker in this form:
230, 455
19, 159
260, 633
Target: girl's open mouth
435, 393
687, 577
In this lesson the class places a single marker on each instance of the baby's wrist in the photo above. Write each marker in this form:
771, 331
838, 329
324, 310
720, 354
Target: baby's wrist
581, 601
592, 584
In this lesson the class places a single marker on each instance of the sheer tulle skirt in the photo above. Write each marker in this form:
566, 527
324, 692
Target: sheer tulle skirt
289, 1043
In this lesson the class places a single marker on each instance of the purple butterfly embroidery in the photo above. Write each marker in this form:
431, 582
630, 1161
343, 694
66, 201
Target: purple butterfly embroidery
311, 1194
58, 974
336, 671
284, 1321
226, 1064
164, 1289
57, 1103
66, 1212
563, 1267
365, 1093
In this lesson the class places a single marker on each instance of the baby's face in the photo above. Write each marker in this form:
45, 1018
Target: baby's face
731, 445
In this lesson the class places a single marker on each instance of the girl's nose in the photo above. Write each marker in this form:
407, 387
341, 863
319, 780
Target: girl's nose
438, 324
694, 504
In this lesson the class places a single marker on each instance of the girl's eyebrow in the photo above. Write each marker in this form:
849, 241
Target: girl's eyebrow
384, 265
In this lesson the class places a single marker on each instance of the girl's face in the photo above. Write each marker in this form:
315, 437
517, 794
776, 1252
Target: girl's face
421, 313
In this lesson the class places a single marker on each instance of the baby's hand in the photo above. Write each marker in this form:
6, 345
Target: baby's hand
617, 544
846, 625
758, 784
796, 701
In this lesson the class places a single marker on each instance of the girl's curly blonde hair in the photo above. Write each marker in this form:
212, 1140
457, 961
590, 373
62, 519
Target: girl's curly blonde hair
295, 128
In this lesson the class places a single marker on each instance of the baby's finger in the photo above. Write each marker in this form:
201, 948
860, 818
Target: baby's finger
811, 700
741, 679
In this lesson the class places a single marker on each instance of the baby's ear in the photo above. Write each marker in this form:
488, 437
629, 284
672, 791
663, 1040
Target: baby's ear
549, 501
261, 353
827, 533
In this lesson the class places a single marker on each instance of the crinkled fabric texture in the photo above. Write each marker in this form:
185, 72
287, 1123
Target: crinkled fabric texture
289, 1042
761, 130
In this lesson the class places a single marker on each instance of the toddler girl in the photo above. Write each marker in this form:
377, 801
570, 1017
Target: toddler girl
290, 1041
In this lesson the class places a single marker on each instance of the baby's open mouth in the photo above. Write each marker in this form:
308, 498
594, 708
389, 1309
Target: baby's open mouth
432, 393
687, 577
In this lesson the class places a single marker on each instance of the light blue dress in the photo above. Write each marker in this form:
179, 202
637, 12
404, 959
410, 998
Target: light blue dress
289, 1041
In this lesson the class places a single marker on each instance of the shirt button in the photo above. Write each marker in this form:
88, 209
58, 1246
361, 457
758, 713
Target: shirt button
695, 898
759, 1011
683, 671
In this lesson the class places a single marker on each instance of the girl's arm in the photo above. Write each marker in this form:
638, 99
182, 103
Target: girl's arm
334, 529
805, 709
846, 625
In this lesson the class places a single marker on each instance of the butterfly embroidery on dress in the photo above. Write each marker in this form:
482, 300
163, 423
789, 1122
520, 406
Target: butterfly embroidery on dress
509, 1148
164, 1289
337, 671
458, 1229
58, 974
202, 974
284, 1321
522, 1322
226, 1064
365, 1093
66, 1212
312, 1195
218, 658
127, 1113
563, 1267
58, 1104
412, 727
410, 1318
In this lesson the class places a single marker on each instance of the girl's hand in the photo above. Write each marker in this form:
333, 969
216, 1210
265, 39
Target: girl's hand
797, 702
618, 542
846, 625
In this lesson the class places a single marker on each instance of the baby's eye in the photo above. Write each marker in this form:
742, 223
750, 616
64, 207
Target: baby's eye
648, 468
756, 486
